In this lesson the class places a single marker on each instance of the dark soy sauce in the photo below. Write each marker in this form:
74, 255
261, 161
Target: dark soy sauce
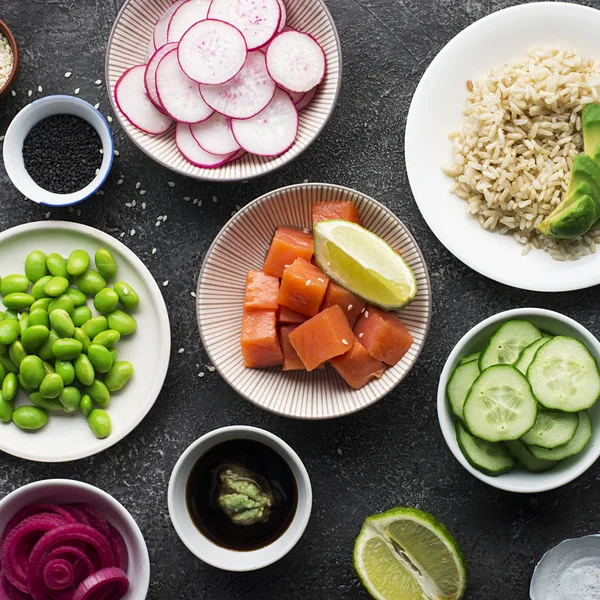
202, 494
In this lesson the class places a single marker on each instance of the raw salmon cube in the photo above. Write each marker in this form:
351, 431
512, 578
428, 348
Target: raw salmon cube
303, 288
358, 367
288, 244
322, 338
329, 211
260, 344
383, 335
291, 360
287, 316
347, 301
261, 291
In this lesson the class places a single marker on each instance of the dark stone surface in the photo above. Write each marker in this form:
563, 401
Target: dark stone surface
390, 454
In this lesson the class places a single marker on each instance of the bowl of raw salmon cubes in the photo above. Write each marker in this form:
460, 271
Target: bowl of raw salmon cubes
284, 334
223, 90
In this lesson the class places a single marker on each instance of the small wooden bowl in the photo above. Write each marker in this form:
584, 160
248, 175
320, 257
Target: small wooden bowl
8, 86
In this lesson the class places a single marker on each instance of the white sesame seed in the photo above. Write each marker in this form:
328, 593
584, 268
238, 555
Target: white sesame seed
97, 171
238, 207
232, 213
13, 93
78, 212
165, 218
360, 335
133, 202
181, 351
117, 153
125, 291
171, 184
77, 91
157, 224
109, 119
138, 185
47, 215
345, 342
286, 266
132, 232
195, 201
122, 234
98, 81
120, 182
68, 74
366, 314
193, 294
1, 138
211, 369
142, 192
362, 310
308, 282
29, 93
143, 206
97, 105
321, 279
186, 198
201, 374
305, 181
40, 89
350, 307
214, 198
165, 283
101, 150
199, 202
71, 209
153, 250
128, 204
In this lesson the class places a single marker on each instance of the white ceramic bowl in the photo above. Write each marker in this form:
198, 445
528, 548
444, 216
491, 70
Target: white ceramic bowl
205, 549
501, 37
66, 491
21, 125
519, 480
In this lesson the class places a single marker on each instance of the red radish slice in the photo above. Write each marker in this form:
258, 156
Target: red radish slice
179, 94
236, 156
161, 29
246, 94
150, 75
258, 20
297, 96
185, 16
283, 20
193, 153
271, 132
295, 61
307, 99
214, 135
212, 52
134, 103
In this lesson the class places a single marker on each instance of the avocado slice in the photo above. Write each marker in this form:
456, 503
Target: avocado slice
585, 169
573, 221
590, 120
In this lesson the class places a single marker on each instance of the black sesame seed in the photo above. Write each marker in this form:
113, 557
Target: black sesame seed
62, 153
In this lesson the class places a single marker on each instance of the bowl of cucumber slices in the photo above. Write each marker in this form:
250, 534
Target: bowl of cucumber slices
517, 400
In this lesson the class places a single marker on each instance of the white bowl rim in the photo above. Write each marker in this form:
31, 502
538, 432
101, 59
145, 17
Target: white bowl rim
266, 171
77, 197
95, 491
232, 223
446, 420
291, 456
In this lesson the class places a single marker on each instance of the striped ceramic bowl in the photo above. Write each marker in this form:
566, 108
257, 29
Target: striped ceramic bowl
242, 245
128, 46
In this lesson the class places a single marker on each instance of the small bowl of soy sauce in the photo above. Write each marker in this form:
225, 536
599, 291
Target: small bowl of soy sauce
239, 498
58, 150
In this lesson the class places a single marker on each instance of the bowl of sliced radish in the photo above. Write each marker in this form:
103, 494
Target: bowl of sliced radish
223, 90
518, 400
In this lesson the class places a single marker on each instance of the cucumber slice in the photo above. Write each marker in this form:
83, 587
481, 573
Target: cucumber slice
577, 443
564, 375
470, 358
500, 405
527, 355
489, 458
551, 429
459, 385
507, 343
519, 451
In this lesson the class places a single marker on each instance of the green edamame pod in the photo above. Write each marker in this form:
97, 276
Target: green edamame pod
64, 302
105, 263
61, 323
57, 265
38, 316
66, 370
119, 374
107, 338
57, 286
100, 357
99, 422
32, 371
46, 403
48, 368
52, 385
9, 331
29, 389
24, 322
66, 349
11, 315
14, 284
81, 336
6, 409
85, 405
35, 337
37, 291
91, 282
106, 300
45, 351
94, 326
78, 297
2, 317
84, 370
10, 385
114, 353
18, 301
30, 417
78, 263
81, 315
42, 303
35, 266
8, 364
16, 352
127, 295
2, 374
70, 398
99, 393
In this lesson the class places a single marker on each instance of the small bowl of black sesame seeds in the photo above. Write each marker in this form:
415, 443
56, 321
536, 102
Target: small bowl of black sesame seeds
58, 150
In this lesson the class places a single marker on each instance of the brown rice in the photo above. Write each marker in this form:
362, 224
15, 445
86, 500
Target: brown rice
515, 152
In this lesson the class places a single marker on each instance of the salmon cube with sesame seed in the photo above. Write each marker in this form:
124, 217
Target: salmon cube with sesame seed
347, 301
303, 288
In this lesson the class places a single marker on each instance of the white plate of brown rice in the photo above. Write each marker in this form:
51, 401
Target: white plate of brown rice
492, 130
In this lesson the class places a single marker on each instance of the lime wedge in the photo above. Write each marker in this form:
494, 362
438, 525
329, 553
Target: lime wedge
406, 554
364, 264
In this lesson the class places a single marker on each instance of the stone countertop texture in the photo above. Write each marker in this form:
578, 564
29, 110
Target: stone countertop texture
390, 454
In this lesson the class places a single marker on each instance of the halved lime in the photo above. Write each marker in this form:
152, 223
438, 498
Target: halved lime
364, 264
406, 554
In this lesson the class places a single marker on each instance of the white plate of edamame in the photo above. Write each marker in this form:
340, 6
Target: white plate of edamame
67, 437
